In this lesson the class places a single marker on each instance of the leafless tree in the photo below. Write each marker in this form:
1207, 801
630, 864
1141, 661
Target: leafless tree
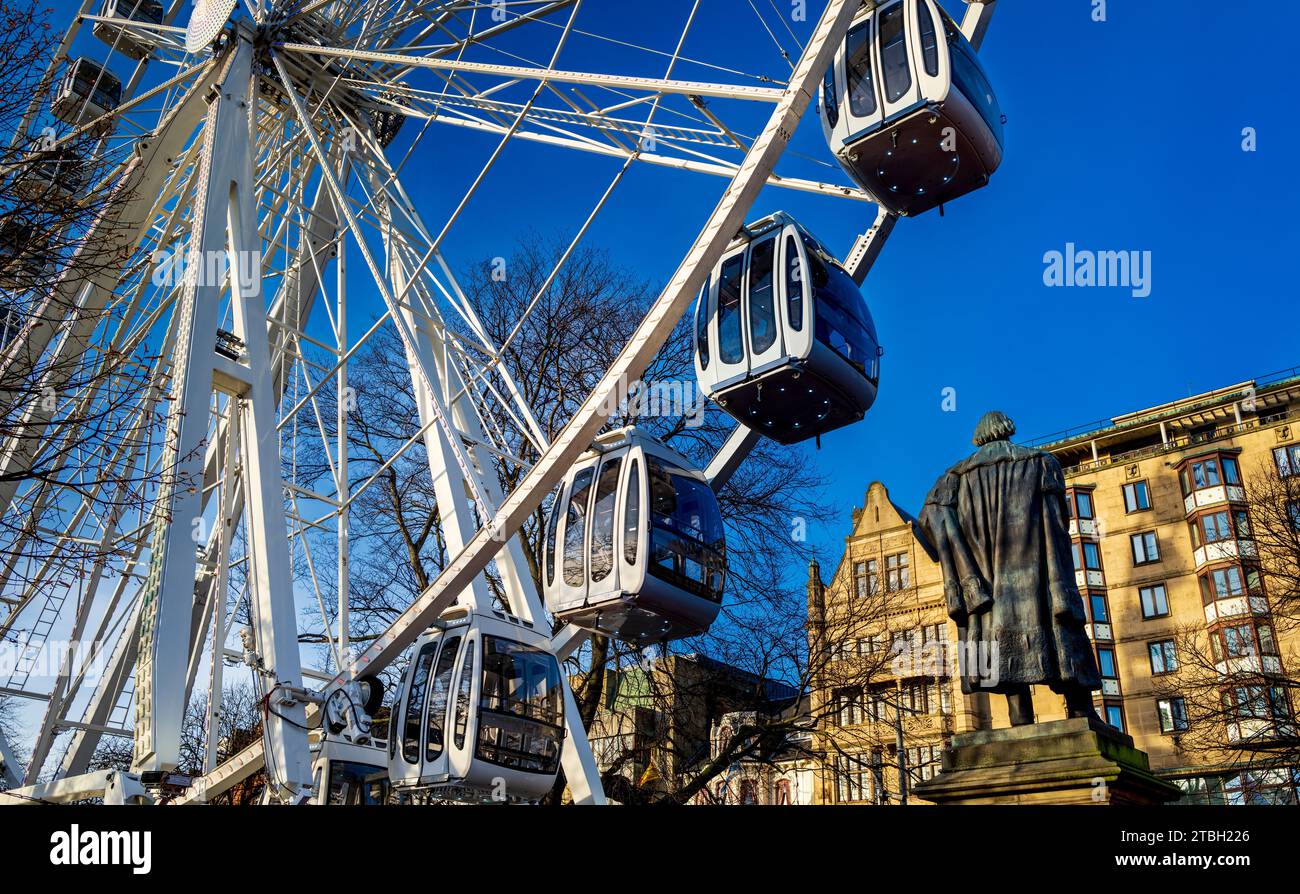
239, 724
9, 728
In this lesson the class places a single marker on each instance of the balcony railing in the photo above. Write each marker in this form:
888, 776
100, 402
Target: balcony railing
1176, 444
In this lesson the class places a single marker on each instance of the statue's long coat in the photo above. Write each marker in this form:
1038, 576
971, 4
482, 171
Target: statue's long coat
998, 521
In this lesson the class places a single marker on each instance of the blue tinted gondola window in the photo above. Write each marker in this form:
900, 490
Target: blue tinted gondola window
462, 695
602, 520
731, 345
929, 39
632, 514
354, 783
556, 508
862, 85
762, 296
843, 322
415, 703
829, 102
521, 707
575, 526
794, 284
702, 326
968, 77
439, 691
687, 544
893, 54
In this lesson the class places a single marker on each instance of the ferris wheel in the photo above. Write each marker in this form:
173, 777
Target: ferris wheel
257, 152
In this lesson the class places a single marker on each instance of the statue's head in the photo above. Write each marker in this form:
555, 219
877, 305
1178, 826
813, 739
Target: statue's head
995, 426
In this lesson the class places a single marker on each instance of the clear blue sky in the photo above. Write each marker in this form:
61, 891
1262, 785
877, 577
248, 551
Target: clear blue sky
1122, 135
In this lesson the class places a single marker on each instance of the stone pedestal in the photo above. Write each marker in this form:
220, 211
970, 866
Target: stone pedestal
1077, 761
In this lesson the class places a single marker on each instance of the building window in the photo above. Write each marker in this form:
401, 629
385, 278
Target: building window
1114, 716
848, 706
748, 792
1137, 496
1155, 601
1222, 583
1231, 473
1206, 474
1239, 641
1216, 527
1256, 702
1097, 602
1243, 641
1106, 662
1090, 558
1267, 645
1164, 656
915, 698
866, 578
1080, 505
781, 793
922, 763
1173, 714
875, 707
1146, 549
1287, 459
897, 573
852, 778
1280, 787
1241, 521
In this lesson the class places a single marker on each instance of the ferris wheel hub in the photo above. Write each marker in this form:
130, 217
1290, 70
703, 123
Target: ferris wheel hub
206, 22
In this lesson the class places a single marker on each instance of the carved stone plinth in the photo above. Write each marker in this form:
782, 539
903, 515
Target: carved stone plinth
1078, 761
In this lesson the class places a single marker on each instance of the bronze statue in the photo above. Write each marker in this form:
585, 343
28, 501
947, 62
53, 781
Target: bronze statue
998, 521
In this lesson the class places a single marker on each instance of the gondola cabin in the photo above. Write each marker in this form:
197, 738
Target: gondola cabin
348, 773
24, 258
480, 714
51, 178
784, 341
907, 109
634, 544
134, 43
88, 90
11, 324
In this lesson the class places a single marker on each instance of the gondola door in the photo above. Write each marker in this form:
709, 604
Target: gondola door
859, 86
603, 530
436, 708
796, 295
571, 545
407, 723
894, 68
633, 528
763, 343
727, 323
462, 719
931, 63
